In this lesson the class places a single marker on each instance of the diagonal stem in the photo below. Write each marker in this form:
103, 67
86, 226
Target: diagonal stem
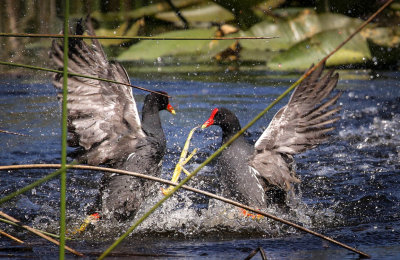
78, 75
150, 38
33, 185
41, 231
63, 176
211, 195
11, 133
11, 237
38, 233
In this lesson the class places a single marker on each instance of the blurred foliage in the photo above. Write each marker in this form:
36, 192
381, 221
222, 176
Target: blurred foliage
302, 26
196, 50
307, 30
122, 30
315, 48
203, 13
146, 10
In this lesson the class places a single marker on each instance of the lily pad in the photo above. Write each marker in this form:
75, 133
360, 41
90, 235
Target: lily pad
301, 55
208, 12
150, 50
295, 30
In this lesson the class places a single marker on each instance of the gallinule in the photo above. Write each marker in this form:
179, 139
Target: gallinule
104, 122
263, 173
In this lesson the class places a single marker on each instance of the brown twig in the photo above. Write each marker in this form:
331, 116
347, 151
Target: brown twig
255, 251
38, 233
79, 75
11, 237
11, 133
211, 195
41, 231
179, 14
149, 38
262, 253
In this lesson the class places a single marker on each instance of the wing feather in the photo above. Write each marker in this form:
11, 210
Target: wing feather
100, 114
300, 125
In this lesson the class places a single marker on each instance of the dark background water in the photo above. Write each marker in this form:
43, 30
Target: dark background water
349, 190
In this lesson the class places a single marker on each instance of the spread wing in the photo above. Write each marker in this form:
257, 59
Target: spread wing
100, 113
300, 125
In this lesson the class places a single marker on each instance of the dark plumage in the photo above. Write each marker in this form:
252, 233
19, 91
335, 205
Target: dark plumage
104, 122
257, 174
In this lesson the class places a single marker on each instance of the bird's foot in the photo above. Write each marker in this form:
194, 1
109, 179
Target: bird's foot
92, 219
250, 214
184, 159
166, 191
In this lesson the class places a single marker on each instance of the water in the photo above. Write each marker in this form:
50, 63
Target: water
349, 190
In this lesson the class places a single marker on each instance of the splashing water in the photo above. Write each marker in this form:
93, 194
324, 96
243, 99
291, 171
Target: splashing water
349, 185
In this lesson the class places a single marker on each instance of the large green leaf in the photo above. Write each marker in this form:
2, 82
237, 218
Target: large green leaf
295, 30
150, 50
209, 12
312, 50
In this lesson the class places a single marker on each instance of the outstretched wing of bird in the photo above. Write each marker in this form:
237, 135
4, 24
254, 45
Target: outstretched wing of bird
102, 116
300, 125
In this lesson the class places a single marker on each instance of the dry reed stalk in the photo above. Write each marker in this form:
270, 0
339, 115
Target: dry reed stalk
11, 237
38, 233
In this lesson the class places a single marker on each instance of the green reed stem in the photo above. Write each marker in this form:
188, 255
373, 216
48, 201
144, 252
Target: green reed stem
33, 185
63, 177
77, 75
41, 231
150, 38
36, 68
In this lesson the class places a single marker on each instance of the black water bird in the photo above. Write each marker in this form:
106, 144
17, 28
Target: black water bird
103, 121
263, 173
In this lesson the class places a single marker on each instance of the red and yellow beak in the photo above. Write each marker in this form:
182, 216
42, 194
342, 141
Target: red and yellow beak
171, 109
210, 121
